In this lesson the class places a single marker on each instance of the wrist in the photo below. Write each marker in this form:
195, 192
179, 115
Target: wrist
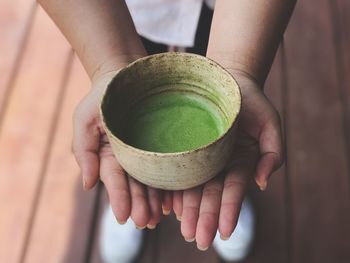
240, 68
243, 77
113, 64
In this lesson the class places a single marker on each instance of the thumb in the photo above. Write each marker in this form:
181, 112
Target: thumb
85, 149
271, 152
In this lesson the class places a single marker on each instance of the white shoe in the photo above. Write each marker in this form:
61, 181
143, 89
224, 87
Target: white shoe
118, 243
238, 246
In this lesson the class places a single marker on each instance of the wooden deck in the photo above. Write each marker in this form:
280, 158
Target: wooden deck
304, 216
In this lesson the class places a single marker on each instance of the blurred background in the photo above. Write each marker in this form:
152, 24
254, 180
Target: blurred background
45, 216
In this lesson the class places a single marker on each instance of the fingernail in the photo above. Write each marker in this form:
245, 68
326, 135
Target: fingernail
140, 227
190, 239
224, 238
263, 185
151, 226
178, 218
166, 212
202, 248
121, 222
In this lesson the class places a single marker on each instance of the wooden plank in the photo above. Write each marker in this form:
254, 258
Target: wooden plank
340, 11
15, 22
63, 203
25, 132
317, 156
172, 248
151, 244
271, 244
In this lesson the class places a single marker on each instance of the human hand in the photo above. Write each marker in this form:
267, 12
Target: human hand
216, 205
94, 155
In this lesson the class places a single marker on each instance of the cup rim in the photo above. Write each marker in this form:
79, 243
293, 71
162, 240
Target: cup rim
160, 154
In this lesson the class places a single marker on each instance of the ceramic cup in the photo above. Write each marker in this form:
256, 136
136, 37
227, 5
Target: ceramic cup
173, 72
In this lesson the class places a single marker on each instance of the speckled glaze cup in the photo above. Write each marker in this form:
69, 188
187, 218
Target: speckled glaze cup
164, 72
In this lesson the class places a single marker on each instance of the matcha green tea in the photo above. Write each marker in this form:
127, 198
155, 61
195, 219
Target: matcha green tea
174, 122
171, 119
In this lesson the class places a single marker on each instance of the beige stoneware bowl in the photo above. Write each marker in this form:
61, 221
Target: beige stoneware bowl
151, 75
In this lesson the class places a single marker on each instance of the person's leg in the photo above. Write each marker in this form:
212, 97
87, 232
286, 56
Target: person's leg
238, 246
118, 243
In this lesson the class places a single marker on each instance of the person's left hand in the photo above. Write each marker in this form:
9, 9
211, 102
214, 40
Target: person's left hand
216, 205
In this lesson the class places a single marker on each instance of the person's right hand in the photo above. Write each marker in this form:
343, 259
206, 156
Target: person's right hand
94, 155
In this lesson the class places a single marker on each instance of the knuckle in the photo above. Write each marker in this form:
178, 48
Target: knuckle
190, 209
232, 206
122, 194
236, 181
139, 197
211, 191
213, 215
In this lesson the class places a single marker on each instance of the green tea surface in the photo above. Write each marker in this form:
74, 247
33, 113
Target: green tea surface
173, 122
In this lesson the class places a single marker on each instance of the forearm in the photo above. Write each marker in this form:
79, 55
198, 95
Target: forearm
100, 31
245, 34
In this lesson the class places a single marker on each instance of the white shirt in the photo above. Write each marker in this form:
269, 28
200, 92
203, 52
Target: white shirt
170, 22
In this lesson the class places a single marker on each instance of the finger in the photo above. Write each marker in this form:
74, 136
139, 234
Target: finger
190, 212
167, 202
115, 181
177, 204
140, 211
235, 186
268, 163
155, 204
209, 213
85, 148
271, 150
